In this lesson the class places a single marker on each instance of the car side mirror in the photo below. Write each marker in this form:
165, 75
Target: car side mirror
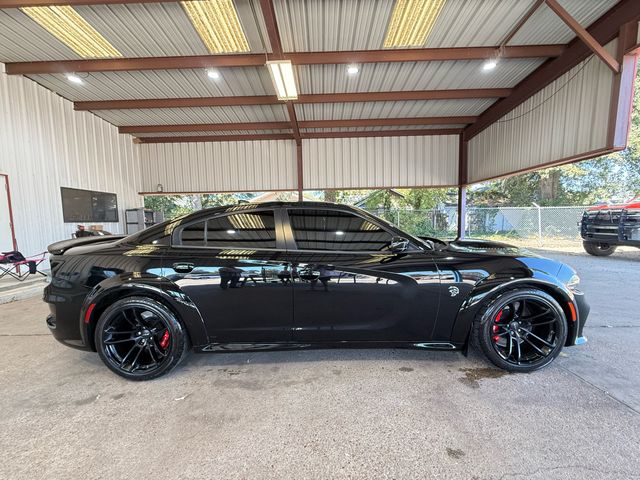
398, 244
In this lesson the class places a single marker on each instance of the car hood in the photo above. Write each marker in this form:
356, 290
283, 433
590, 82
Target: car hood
487, 247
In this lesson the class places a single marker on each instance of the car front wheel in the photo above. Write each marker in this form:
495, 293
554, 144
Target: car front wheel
521, 330
140, 339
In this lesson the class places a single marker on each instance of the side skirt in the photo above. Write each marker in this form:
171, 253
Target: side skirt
244, 347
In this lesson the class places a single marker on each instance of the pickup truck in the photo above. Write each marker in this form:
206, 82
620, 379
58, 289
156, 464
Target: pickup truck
604, 227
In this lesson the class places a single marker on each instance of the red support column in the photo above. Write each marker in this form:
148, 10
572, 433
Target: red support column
299, 167
463, 171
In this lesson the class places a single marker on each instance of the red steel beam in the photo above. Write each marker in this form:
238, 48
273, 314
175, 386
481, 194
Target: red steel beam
231, 138
528, 14
404, 95
384, 133
215, 138
374, 122
294, 122
273, 100
364, 122
205, 127
584, 35
303, 58
269, 15
176, 102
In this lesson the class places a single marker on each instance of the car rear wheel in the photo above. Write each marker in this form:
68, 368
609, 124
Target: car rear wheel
599, 249
140, 339
521, 330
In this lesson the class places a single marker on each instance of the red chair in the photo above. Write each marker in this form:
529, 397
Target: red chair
10, 263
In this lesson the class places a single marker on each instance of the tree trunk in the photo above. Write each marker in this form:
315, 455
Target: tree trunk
330, 196
550, 187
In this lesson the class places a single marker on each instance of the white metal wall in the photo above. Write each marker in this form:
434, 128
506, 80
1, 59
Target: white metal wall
45, 145
567, 118
249, 166
376, 162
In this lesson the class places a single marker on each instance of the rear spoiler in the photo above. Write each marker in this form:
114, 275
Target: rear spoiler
59, 248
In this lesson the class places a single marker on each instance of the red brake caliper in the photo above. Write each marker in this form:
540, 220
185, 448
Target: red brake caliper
496, 328
164, 341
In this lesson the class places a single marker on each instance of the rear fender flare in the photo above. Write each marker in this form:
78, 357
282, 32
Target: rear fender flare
158, 288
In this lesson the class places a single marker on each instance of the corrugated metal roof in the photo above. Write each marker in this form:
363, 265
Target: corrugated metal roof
319, 25
423, 108
163, 29
161, 84
208, 134
545, 26
136, 30
172, 116
472, 23
413, 76
23, 40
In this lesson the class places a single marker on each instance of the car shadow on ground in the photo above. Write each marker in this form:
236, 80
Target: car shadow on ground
322, 355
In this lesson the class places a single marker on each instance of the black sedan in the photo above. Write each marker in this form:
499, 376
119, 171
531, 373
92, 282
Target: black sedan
304, 275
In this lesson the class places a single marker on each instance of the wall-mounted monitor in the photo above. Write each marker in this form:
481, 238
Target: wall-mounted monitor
88, 206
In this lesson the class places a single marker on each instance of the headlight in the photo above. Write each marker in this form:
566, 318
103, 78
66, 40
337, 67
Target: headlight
573, 282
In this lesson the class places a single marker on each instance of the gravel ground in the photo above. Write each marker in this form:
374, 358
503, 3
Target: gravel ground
331, 414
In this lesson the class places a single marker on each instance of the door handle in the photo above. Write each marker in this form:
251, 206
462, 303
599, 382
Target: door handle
183, 267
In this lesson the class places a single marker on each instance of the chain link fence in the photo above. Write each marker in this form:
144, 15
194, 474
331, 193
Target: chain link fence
527, 223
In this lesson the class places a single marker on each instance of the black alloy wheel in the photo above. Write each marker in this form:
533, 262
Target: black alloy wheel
140, 339
522, 330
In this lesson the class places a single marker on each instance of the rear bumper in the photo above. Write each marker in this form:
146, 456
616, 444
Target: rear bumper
62, 321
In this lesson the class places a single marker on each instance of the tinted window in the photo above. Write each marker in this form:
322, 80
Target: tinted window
194, 235
335, 230
241, 230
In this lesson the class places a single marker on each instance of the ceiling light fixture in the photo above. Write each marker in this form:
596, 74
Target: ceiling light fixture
283, 79
74, 78
352, 69
218, 25
64, 23
490, 64
339, 232
213, 74
231, 232
411, 22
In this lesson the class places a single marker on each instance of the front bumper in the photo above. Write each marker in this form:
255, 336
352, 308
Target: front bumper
613, 227
582, 312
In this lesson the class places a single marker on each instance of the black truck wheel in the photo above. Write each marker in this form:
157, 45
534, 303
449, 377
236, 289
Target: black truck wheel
599, 249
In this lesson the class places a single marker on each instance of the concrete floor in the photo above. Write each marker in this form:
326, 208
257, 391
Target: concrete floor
331, 414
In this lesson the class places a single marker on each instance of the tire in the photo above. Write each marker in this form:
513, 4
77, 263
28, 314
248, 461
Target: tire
501, 332
140, 339
599, 249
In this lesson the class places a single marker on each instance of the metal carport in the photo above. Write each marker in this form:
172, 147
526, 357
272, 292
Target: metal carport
558, 89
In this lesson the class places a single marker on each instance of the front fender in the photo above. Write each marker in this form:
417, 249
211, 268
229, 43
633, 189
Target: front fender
145, 285
484, 291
